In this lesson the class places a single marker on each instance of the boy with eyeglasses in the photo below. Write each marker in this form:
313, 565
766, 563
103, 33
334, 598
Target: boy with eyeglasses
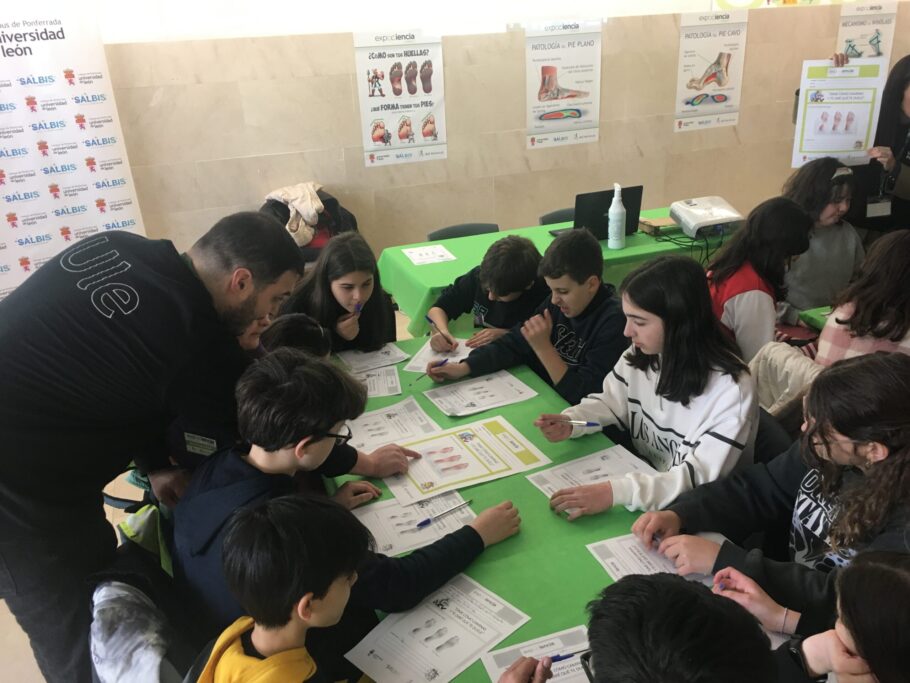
292, 408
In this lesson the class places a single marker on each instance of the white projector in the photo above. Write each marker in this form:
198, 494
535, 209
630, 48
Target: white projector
704, 216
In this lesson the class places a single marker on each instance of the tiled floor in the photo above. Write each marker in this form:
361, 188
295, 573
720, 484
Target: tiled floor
18, 664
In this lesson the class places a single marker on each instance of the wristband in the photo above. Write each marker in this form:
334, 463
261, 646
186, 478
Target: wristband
795, 648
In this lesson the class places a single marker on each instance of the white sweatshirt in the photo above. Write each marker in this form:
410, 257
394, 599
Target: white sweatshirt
687, 445
751, 315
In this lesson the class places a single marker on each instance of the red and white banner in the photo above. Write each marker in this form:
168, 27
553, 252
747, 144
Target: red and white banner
64, 173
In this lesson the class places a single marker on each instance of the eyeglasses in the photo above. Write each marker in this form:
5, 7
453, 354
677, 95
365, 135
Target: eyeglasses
586, 665
340, 439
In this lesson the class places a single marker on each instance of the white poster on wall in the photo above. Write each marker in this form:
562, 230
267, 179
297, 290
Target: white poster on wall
64, 173
867, 30
402, 97
838, 110
562, 83
712, 52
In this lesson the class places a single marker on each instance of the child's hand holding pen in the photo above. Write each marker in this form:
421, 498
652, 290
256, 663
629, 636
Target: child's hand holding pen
440, 342
558, 427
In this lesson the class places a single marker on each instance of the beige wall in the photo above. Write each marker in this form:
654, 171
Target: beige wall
211, 126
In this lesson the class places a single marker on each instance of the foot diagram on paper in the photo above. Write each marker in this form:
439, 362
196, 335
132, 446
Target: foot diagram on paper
850, 48
379, 133
426, 76
405, 131
428, 127
395, 74
410, 77
429, 623
717, 72
438, 633
451, 642
550, 88
875, 42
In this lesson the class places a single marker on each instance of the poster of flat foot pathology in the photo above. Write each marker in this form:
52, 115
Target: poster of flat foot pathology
64, 174
562, 83
463, 456
867, 30
838, 110
402, 97
712, 51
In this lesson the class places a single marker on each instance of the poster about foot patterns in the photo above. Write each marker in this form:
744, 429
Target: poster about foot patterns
562, 83
402, 98
712, 50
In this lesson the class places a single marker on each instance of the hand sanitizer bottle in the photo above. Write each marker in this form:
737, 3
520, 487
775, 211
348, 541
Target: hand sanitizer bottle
616, 225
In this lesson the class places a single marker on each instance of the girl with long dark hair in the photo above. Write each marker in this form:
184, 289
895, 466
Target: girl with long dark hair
844, 489
746, 279
344, 294
681, 397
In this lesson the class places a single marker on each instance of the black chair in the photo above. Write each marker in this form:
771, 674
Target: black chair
462, 230
558, 216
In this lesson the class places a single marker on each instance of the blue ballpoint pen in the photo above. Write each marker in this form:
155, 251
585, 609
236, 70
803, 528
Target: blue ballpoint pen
429, 520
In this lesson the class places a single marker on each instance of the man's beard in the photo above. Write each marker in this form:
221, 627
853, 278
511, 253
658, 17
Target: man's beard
239, 318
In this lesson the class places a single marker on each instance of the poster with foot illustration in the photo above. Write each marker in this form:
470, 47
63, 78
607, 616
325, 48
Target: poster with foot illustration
562, 83
439, 638
712, 50
838, 110
402, 97
867, 30
463, 456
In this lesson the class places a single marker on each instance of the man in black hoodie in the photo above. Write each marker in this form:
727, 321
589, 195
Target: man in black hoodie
291, 411
100, 348
576, 335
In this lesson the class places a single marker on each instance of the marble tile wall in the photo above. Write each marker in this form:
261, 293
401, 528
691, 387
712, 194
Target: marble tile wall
211, 126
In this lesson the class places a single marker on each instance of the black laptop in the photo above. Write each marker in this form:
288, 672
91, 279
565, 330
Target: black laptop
592, 210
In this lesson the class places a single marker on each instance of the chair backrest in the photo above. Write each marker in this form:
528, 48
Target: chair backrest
558, 216
462, 230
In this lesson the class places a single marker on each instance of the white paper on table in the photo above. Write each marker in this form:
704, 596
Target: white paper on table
395, 527
361, 361
381, 381
396, 423
435, 253
625, 555
480, 393
572, 641
427, 355
590, 469
463, 456
439, 638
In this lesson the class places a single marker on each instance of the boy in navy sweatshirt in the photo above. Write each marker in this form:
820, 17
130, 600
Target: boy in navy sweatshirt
575, 336
291, 411
501, 292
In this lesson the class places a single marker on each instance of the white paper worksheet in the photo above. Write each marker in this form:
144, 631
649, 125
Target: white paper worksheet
463, 456
403, 421
480, 393
439, 638
426, 355
434, 253
572, 641
394, 526
625, 555
381, 381
591, 469
361, 361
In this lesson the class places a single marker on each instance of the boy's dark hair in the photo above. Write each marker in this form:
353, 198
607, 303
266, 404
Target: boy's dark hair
509, 266
575, 253
664, 629
277, 552
299, 331
775, 230
814, 185
873, 592
250, 240
865, 398
675, 289
343, 254
289, 395
881, 293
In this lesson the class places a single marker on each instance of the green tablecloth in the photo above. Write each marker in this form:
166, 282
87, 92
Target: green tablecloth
415, 288
546, 571
816, 317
